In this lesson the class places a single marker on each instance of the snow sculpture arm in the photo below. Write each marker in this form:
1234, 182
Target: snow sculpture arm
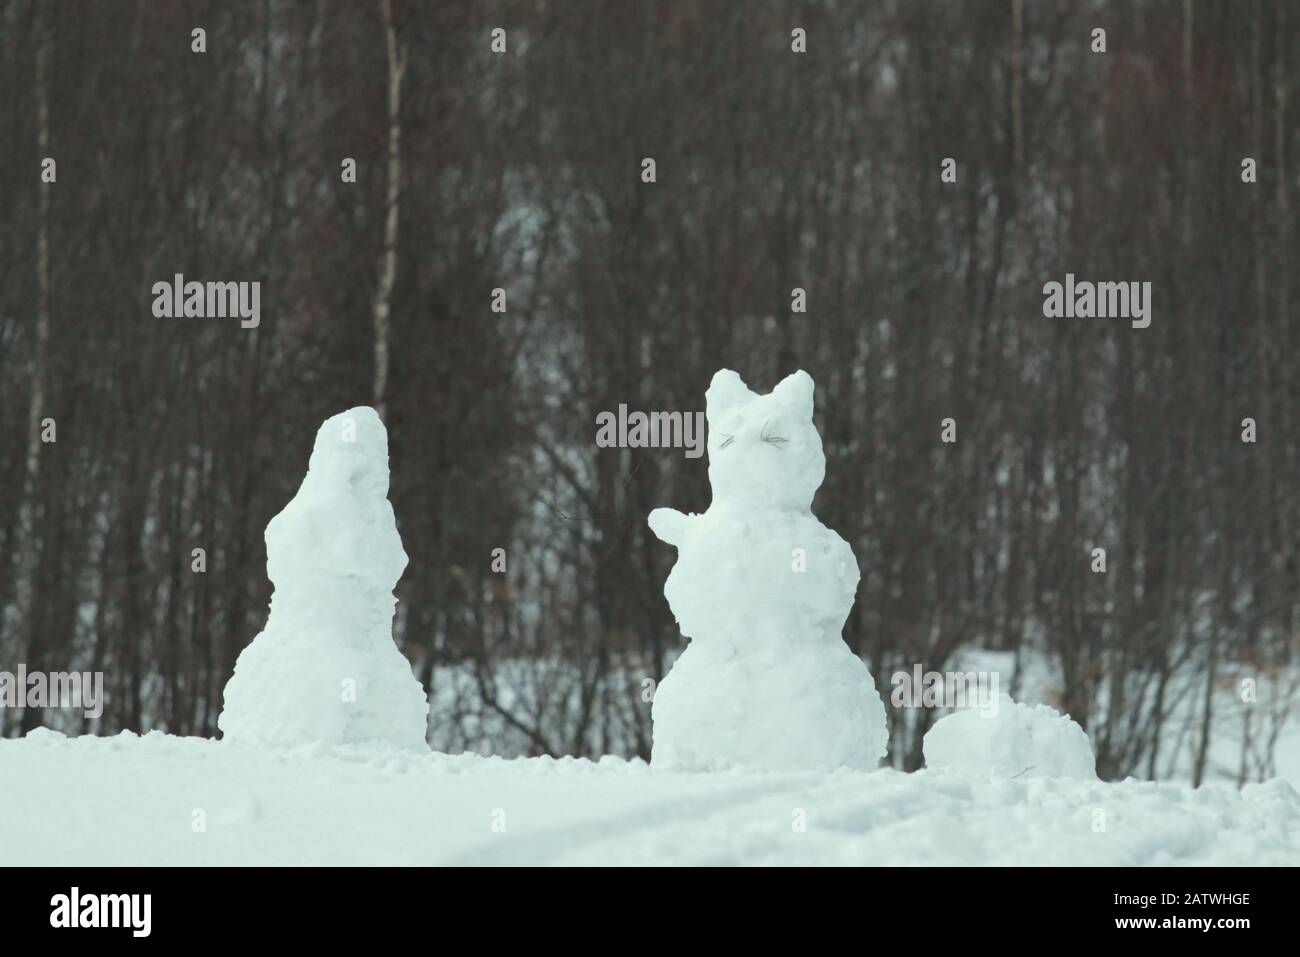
669, 525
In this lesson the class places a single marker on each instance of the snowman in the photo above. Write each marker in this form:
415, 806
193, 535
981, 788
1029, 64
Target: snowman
325, 669
762, 590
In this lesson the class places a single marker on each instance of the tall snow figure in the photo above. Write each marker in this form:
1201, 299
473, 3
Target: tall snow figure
325, 668
762, 589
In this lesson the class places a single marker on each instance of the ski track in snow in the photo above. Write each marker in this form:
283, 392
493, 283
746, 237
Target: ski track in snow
609, 839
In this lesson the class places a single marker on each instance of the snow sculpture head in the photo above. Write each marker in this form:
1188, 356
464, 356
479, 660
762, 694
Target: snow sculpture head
340, 522
763, 449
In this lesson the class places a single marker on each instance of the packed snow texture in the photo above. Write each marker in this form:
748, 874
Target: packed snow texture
762, 589
325, 668
162, 800
1011, 740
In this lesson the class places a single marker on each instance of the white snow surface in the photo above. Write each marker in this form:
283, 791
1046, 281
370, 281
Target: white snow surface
762, 589
1011, 740
325, 668
163, 800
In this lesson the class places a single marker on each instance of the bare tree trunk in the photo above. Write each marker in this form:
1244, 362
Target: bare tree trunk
1188, 107
1257, 151
25, 592
388, 258
1283, 218
1017, 85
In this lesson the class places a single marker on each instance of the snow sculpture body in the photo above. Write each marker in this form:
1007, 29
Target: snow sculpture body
325, 668
762, 589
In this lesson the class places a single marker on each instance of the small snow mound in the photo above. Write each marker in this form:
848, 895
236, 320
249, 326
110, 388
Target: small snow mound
1013, 740
325, 669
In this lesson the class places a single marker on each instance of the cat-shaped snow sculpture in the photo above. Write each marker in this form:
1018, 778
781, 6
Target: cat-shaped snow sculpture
762, 589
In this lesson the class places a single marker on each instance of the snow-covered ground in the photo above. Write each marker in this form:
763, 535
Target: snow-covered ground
159, 799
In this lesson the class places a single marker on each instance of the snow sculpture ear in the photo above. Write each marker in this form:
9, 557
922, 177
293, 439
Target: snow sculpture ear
726, 391
796, 393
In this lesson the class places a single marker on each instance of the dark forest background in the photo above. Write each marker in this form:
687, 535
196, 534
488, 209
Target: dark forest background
776, 170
